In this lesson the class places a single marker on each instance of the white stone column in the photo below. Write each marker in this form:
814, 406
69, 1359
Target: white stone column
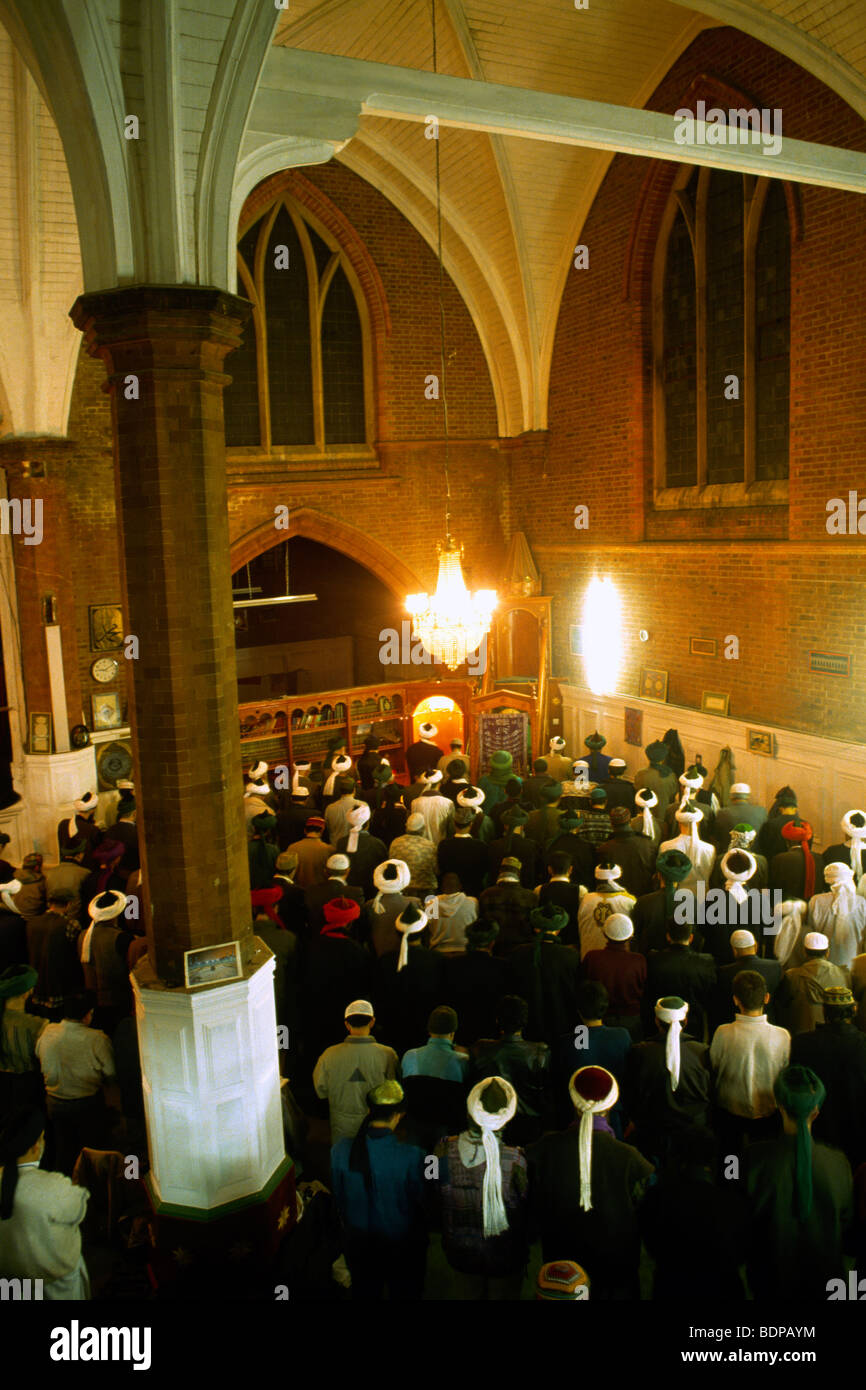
211, 1082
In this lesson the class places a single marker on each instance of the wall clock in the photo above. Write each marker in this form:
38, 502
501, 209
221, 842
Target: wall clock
104, 669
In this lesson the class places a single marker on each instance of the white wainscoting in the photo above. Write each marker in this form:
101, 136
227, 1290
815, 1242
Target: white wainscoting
828, 776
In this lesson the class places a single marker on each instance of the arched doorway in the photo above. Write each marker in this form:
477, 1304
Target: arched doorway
445, 714
332, 643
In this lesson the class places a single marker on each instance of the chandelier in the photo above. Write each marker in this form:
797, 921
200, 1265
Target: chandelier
453, 623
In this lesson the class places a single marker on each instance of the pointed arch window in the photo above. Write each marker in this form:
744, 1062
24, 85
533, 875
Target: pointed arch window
301, 381
721, 340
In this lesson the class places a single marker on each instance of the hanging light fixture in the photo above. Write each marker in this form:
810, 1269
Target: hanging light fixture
287, 597
451, 624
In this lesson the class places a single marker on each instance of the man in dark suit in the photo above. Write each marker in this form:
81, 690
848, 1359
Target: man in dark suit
745, 951
619, 791
561, 890
635, 854
515, 844
533, 785
580, 852
335, 886
463, 855
509, 904
525, 1064
680, 970
836, 1051
668, 1081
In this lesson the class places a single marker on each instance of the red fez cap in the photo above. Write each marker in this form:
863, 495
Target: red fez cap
267, 898
314, 823
797, 833
339, 912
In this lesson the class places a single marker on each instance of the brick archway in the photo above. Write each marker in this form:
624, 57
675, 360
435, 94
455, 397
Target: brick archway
328, 530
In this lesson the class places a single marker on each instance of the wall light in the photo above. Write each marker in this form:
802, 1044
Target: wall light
602, 636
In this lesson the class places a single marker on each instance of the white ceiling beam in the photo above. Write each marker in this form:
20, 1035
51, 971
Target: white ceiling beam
407, 94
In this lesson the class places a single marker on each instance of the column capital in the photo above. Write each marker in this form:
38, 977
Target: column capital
135, 315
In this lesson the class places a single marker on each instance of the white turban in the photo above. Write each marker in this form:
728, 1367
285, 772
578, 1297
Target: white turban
587, 1108
556, 745
734, 882
9, 889
392, 876
691, 818
493, 1207
841, 880
647, 799
788, 918
674, 1015
358, 816
407, 927
856, 836
610, 876
338, 766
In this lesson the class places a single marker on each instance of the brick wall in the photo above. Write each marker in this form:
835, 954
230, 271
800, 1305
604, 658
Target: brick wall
725, 576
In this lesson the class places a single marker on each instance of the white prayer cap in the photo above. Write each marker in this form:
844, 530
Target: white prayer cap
411, 920
359, 1008
495, 1217
557, 744
472, 796
431, 777
742, 940
392, 876
741, 789
816, 941
580, 762
617, 762
337, 864
593, 1090
672, 1010
428, 731
618, 927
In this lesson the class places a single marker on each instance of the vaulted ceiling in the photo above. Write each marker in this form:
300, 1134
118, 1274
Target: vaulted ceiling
513, 208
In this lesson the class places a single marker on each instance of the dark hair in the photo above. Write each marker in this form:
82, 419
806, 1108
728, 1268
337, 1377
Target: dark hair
454, 880
344, 785
540, 765
79, 1005
678, 931
559, 862
358, 1020
513, 788
593, 999
750, 988
512, 1013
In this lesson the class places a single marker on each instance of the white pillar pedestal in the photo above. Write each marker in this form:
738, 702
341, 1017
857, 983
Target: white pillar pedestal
211, 1081
52, 782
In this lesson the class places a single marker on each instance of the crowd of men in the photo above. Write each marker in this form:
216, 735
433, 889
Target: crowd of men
567, 1008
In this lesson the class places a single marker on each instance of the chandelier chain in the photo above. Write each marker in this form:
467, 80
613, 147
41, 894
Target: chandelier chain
442, 356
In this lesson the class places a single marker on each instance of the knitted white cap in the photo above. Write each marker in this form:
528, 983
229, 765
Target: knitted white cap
337, 864
741, 789
816, 941
618, 927
742, 940
617, 762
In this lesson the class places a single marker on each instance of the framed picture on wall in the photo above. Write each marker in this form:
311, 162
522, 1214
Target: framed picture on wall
761, 741
41, 735
107, 713
653, 684
106, 627
634, 727
714, 703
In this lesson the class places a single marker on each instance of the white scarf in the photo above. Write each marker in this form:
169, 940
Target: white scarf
494, 1214
674, 1018
646, 800
841, 880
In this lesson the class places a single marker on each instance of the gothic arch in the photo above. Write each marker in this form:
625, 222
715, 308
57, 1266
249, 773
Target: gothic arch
328, 530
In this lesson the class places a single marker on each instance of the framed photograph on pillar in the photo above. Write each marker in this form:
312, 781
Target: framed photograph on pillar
634, 727
106, 627
212, 965
41, 735
107, 713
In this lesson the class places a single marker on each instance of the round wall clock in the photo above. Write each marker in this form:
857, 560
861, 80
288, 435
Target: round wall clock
104, 669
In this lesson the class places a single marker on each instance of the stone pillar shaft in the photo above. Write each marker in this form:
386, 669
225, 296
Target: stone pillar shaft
163, 348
